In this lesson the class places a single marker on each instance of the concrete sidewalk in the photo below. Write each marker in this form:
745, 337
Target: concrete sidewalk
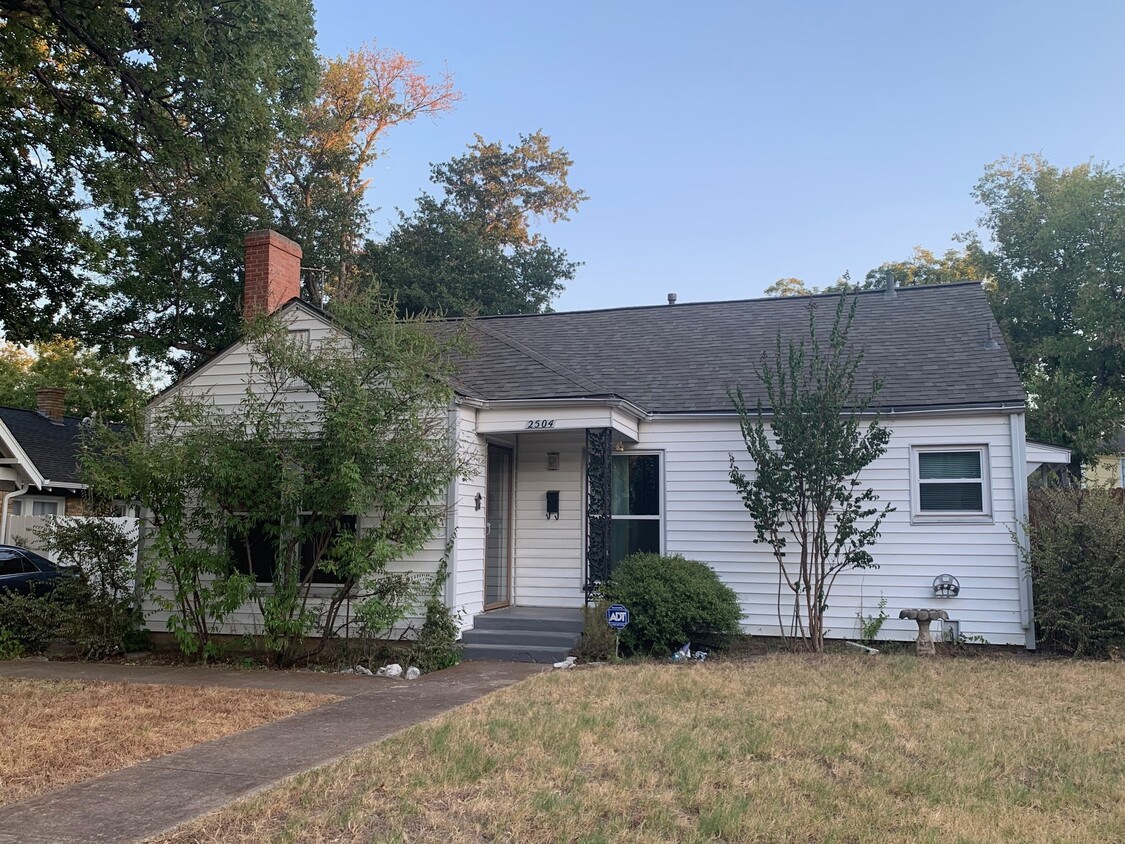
146, 799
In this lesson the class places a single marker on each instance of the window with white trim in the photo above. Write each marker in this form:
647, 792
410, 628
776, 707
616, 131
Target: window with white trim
635, 505
45, 507
951, 481
26, 505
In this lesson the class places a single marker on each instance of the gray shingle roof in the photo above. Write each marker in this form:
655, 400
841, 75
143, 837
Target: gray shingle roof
52, 447
929, 344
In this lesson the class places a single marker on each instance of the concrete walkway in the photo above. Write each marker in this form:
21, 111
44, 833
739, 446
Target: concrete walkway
150, 798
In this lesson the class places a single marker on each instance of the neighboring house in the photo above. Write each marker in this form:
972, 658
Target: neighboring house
38, 462
601, 433
1108, 470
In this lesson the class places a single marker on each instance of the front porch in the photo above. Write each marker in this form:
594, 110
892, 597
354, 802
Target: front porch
559, 509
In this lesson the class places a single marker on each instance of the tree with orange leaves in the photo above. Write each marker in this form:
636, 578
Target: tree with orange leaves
316, 176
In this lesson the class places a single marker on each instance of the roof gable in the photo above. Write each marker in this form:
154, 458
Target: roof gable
52, 447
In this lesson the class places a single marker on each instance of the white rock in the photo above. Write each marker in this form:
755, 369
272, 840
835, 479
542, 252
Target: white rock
413, 673
362, 669
347, 671
393, 670
567, 663
381, 672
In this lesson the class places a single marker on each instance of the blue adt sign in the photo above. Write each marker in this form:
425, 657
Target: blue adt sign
617, 616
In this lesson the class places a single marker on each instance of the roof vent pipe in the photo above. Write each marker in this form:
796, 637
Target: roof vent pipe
889, 292
671, 298
990, 344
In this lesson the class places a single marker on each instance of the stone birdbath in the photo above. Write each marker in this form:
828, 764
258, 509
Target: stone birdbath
924, 644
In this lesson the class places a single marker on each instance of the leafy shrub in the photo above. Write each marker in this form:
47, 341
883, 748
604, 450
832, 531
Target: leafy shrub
34, 621
99, 608
598, 638
1077, 566
10, 646
673, 600
436, 646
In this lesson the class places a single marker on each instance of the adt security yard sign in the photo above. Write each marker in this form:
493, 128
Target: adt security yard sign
617, 616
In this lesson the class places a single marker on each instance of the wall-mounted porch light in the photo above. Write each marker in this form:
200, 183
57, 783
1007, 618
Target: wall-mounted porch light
552, 461
478, 499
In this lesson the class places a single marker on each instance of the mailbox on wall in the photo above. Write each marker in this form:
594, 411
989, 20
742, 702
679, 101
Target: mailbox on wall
553, 503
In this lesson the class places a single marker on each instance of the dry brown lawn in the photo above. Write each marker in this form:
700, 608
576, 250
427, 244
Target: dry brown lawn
54, 733
785, 749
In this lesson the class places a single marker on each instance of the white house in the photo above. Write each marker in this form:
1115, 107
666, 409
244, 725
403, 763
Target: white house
600, 433
38, 465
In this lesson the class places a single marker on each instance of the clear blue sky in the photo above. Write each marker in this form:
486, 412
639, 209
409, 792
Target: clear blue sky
726, 145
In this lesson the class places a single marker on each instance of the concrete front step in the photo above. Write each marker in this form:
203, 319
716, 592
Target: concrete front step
523, 634
509, 636
516, 653
497, 620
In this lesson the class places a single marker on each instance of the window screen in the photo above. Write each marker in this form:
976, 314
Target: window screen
951, 481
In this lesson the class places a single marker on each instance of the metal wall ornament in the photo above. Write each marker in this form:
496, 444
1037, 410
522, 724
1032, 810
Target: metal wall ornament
946, 586
599, 453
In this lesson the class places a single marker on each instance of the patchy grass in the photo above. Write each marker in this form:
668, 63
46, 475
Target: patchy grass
54, 733
785, 749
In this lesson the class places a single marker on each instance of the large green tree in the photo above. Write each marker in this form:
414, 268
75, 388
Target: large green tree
1058, 267
474, 250
926, 267
317, 176
160, 114
98, 384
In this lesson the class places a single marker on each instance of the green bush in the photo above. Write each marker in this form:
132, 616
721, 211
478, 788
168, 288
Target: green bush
97, 606
436, 646
10, 647
672, 601
597, 642
34, 621
1077, 566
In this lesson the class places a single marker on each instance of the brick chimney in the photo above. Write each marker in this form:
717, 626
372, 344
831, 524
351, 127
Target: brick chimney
50, 402
273, 273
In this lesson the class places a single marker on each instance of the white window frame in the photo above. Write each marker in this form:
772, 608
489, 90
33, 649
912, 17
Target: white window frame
659, 455
25, 504
918, 515
1121, 472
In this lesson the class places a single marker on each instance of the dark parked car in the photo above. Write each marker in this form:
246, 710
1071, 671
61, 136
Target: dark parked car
23, 571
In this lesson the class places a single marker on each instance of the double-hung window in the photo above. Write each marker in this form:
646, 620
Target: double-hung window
951, 482
636, 504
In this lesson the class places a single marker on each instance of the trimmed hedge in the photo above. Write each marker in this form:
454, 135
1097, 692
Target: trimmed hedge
672, 601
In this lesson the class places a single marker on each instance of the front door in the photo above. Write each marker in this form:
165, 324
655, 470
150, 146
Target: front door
498, 543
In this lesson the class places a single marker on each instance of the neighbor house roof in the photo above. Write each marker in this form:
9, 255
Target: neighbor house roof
930, 344
51, 446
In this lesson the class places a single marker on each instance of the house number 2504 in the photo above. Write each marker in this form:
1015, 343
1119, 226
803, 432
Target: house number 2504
535, 424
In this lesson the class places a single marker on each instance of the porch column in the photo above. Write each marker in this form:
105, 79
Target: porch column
599, 450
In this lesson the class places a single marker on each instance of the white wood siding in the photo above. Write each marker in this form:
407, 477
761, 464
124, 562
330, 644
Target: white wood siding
468, 566
226, 376
705, 520
549, 554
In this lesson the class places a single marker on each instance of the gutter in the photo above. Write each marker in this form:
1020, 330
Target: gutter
589, 401
887, 412
8, 496
1017, 433
451, 520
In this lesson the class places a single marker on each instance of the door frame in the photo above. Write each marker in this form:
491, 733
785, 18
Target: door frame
508, 526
